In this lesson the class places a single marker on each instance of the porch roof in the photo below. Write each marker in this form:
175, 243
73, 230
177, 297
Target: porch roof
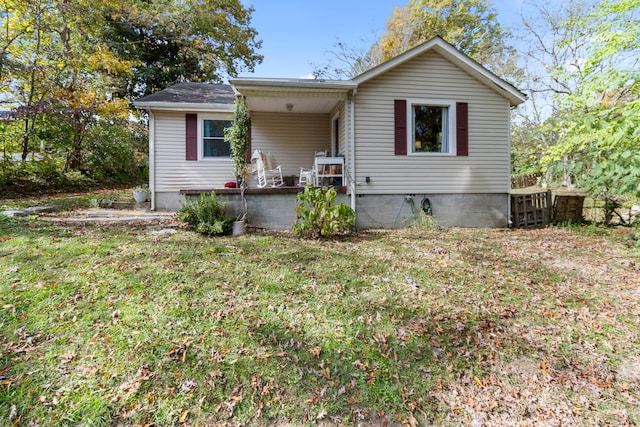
191, 96
292, 95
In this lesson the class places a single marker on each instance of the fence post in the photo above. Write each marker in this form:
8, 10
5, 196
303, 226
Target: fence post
548, 215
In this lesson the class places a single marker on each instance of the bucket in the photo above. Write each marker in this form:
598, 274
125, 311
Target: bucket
238, 228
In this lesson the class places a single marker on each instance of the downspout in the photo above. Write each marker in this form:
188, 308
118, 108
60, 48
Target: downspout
152, 159
509, 223
352, 148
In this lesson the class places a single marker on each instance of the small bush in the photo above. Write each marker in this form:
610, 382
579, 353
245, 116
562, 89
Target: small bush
425, 221
206, 215
318, 216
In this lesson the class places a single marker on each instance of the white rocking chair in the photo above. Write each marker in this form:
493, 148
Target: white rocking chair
262, 166
306, 177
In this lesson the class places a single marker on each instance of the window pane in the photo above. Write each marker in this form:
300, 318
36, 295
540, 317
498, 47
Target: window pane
216, 147
215, 128
430, 124
213, 138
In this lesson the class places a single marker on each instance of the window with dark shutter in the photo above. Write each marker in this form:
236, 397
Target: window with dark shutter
400, 127
191, 144
462, 129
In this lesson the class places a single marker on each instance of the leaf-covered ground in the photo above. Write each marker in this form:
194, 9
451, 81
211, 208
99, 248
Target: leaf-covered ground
114, 325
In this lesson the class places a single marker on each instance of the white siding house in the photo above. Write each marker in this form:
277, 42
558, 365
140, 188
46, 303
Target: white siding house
429, 128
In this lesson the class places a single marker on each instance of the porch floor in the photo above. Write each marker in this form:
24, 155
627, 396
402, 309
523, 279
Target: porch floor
254, 190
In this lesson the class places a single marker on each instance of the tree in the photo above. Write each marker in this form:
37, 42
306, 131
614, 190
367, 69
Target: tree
588, 81
74, 65
469, 25
601, 116
24, 39
173, 41
535, 125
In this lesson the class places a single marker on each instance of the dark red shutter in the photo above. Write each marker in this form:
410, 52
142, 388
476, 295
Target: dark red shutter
462, 129
191, 123
400, 126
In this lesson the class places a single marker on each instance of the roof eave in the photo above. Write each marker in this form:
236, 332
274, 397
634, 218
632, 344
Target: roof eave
185, 106
296, 84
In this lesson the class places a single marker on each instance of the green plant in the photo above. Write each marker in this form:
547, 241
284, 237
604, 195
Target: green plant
142, 188
425, 221
317, 215
238, 137
206, 215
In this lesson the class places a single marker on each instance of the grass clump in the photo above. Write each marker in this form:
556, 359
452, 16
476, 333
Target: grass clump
206, 215
425, 221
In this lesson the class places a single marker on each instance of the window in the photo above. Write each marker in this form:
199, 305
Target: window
453, 121
213, 143
432, 127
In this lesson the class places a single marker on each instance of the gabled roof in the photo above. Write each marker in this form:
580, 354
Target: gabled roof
439, 45
191, 96
310, 95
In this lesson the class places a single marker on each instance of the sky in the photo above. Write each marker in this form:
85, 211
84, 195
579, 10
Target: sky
298, 34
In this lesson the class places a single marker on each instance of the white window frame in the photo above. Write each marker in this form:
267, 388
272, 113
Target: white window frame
201, 119
451, 126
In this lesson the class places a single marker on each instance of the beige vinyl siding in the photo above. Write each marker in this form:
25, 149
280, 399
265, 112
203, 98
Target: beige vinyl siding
430, 76
173, 172
343, 127
292, 139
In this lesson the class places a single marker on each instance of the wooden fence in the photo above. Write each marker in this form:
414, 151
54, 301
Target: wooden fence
531, 210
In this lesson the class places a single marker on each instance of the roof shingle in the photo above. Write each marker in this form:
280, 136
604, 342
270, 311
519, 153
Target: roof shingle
192, 93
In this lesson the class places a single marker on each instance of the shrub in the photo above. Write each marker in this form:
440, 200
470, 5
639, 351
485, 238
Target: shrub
318, 216
206, 215
116, 153
425, 221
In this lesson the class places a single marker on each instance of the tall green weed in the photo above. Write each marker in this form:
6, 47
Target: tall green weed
206, 215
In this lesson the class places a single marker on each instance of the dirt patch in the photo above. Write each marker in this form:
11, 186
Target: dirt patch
109, 216
629, 370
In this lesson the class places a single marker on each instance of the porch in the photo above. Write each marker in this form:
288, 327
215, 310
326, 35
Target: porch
293, 120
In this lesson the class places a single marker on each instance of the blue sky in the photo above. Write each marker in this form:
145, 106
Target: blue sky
298, 33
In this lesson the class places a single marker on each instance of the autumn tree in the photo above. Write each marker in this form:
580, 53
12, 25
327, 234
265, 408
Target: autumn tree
469, 25
25, 37
70, 68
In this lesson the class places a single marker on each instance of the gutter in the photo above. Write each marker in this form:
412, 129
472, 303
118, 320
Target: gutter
152, 159
509, 223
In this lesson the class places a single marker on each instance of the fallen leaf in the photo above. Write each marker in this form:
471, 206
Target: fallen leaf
315, 351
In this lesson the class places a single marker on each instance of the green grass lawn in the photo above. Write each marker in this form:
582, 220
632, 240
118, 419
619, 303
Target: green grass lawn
114, 325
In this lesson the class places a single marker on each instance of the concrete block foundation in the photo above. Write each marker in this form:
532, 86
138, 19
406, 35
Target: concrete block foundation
277, 211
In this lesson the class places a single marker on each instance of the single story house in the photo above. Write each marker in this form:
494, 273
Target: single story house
428, 129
